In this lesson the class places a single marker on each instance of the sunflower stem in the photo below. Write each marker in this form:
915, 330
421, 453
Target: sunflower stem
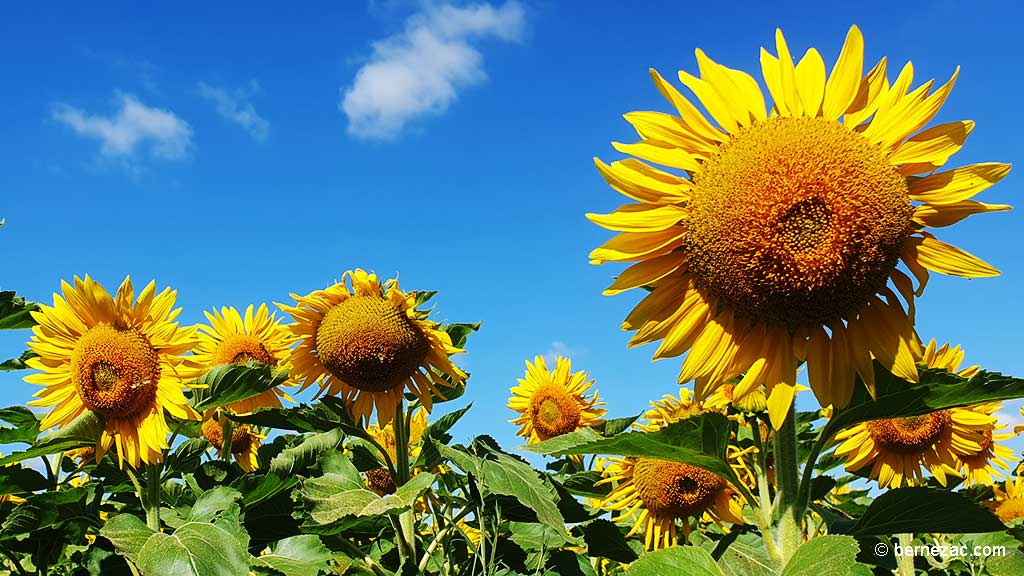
790, 522
764, 512
905, 561
152, 500
227, 431
407, 519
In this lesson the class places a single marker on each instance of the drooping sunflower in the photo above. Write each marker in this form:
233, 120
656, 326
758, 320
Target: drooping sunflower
554, 402
657, 493
119, 357
725, 396
367, 343
379, 480
669, 409
1008, 503
781, 241
232, 339
245, 442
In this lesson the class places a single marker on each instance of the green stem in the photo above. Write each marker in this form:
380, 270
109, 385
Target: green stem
790, 525
152, 500
764, 511
227, 431
905, 561
406, 520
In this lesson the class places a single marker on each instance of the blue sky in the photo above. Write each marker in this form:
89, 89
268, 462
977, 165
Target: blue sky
239, 152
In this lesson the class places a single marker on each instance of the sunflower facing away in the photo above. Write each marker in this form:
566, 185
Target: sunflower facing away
231, 338
118, 357
956, 441
367, 343
552, 403
657, 493
781, 242
245, 442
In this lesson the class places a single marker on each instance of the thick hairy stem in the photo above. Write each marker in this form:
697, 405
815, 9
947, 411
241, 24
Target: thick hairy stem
905, 561
152, 500
790, 523
764, 511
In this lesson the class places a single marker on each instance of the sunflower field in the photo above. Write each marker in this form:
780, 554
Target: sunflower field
780, 242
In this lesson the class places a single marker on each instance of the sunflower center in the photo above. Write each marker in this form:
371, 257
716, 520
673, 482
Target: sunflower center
554, 411
370, 344
242, 349
379, 481
241, 437
673, 489
911, 434
115, 371
796, 221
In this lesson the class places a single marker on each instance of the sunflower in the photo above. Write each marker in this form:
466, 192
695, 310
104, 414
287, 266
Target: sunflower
368, 343
669, 409
725, 396
379, 480
656, 493
232, 339
245, 442
552, 403
117, 357
980, 467
781, 241
1008, 503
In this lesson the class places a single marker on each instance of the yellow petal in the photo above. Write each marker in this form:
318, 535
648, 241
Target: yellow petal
844, 82
691, 116
874, 85
810, 81
714, 103
646, 273
640, 218
670, 129
934, 145
640, 182
787, 75
632, 246
938, 256
660, 153
953, 186
949, 214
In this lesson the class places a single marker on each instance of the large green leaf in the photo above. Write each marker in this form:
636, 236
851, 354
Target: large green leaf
293, 460
504, 474
937, 390
15, 311
24, 425
128, 534
212, 503
229, 383
604, 539
195, 549
332, 497
920, 509
827, 555
747, 556
681, 560
82, 431
18, 480
700, 441
303, 555
438, 431
534, 536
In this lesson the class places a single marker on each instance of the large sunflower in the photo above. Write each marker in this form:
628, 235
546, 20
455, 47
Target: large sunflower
367, 343
554, 402
780, 242
232, 339
657, 493
118, 357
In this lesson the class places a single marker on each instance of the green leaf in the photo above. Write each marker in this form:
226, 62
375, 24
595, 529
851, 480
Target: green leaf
920, 509
827, 555
503, 474
186, 457
294, 460
747, 556
17, 480
429, 457
938, 390
229, 383
194, 550
533, 536
17, 363
128, 534
303, 555
583, 484
15, 311
700, 441
82, 431
212, 502
257, 489
605, 539
617, 425
25, 425
681, 560
459, 333
332, 497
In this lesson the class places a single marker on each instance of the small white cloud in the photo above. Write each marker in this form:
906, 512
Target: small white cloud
236, 108
134, 125
419, 71
562, 349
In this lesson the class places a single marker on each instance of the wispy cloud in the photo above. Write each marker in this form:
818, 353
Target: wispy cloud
132, 127
419, 71
235, 107
562, 349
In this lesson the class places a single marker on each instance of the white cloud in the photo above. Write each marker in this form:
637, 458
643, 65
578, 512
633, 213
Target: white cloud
419, 71
133, 126
562, 349
236, 108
